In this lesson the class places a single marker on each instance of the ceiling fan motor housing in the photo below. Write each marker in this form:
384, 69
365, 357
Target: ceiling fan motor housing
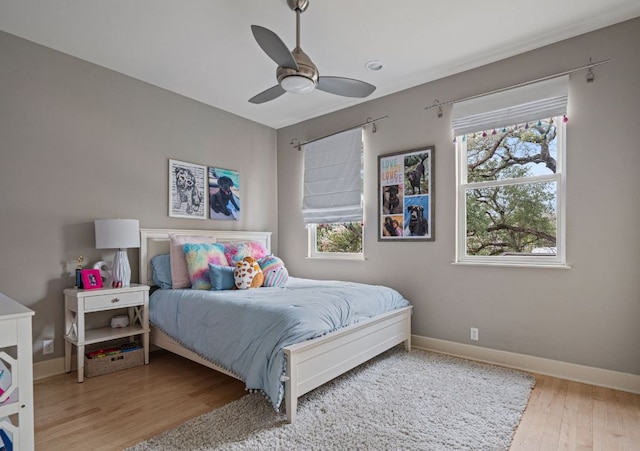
306, 68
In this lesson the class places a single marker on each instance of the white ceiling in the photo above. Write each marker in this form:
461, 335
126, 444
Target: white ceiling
204, 49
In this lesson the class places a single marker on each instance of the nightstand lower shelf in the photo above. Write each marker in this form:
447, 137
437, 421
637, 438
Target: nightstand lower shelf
92, 336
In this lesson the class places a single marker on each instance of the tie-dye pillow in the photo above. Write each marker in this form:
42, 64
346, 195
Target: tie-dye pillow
236, 252
275, 273
198, 257
179, 270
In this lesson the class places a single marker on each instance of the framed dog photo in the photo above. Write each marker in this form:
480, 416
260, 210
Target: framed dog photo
224, 194
91, 279
405, 195
187, 190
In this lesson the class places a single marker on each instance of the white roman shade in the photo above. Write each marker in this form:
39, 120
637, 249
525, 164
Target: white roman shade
332, 179
527, 103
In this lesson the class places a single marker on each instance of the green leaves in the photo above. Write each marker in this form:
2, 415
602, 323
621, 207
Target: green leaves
343, 238
508, 211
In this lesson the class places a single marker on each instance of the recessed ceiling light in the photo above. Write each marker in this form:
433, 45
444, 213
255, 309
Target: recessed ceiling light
374, 65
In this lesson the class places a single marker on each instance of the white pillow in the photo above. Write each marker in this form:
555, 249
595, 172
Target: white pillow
179, 271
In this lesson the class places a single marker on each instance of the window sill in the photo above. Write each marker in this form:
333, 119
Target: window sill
514, 265
356, 258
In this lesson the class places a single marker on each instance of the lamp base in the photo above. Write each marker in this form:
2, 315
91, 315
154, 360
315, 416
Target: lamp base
121, 270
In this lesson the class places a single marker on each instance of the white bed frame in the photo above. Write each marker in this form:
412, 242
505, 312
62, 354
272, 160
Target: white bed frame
310, 363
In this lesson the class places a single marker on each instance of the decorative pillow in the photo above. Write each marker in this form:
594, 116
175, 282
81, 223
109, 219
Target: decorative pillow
179, 271
276, 278
248, 274
275, 273
221, 277
161, 271
236, 252
198, 257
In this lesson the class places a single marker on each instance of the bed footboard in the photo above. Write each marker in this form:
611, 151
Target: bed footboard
315, 362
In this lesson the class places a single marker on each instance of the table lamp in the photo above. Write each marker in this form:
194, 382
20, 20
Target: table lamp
118, 234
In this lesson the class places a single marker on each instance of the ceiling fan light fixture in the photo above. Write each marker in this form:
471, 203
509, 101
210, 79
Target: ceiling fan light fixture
297, 84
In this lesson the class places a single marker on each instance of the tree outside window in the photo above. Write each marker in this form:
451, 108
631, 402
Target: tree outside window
341, 240
510, 190
345, 237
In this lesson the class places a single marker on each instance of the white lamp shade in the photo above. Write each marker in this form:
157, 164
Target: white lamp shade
117, 233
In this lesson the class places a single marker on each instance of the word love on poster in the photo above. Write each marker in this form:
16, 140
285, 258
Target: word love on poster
391, 171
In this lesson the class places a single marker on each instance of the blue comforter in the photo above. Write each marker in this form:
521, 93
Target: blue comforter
245, 331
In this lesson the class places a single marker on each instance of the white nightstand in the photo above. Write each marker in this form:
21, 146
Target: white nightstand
77, 303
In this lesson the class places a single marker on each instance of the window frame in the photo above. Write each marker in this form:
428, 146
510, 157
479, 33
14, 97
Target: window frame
523, 260
313, 253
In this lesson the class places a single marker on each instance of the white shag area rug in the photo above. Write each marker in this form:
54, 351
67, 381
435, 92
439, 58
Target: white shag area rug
414, 400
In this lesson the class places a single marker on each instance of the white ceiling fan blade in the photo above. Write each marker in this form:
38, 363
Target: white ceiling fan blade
267, 95
347, 87
274, 47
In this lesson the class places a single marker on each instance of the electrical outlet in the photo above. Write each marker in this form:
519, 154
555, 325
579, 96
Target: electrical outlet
474, 333
47, 346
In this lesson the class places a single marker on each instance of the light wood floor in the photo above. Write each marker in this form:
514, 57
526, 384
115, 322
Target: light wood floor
114, 411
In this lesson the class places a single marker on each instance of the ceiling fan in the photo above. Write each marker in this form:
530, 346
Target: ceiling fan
296, 72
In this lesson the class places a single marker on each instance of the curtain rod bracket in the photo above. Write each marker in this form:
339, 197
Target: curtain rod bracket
373, 124
590, 74
436, 102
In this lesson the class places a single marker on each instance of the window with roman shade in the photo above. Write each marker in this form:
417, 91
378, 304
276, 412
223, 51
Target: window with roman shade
333, 179
511, 176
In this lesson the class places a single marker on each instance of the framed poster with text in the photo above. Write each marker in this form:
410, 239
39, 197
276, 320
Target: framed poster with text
405, 195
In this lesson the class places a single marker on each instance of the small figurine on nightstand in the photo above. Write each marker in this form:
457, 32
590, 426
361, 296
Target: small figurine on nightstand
78, 269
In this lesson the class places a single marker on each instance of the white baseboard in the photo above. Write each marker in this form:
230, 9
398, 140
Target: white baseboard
570, 371
51, 367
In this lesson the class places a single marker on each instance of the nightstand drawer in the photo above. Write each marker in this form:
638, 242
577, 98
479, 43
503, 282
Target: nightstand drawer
110, 301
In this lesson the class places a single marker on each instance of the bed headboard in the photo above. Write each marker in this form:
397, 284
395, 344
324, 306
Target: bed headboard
156, 241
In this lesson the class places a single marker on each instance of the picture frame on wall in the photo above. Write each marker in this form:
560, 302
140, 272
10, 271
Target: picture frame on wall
405, 195
187, 190
224, 193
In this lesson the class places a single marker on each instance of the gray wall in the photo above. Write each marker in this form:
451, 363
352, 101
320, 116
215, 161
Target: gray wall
586, 315
80, 142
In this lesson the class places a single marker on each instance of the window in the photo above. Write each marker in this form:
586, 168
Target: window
339, 240
332, 201
511, 185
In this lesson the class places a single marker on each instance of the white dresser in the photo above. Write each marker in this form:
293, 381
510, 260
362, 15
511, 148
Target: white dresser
17, 358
